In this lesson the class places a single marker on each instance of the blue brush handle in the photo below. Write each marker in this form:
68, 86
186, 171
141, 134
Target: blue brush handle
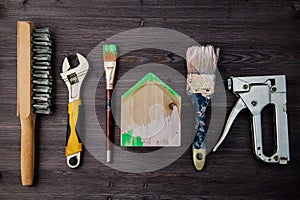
201, 103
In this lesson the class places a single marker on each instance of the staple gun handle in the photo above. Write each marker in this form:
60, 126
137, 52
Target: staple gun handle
240, 105
281, 153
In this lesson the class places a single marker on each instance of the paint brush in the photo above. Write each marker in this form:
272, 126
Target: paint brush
109, 58
201, 66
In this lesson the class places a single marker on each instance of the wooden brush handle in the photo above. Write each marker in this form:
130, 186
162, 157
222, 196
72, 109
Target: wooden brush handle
108, 118
24, 101
27, 150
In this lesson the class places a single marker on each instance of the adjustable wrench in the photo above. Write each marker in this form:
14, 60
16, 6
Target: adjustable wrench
73, 78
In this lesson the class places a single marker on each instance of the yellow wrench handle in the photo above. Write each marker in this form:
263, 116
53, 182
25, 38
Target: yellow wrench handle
74, 144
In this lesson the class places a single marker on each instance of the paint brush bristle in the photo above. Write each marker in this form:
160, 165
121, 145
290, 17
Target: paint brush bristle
202, 59
110, 58
109, 52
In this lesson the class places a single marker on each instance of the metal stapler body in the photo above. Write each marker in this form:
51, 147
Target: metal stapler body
254, 93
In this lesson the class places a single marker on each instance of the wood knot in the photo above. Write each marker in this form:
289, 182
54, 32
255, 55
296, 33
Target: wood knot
171, 105
142, 23
145, 186
296, 7
25, 2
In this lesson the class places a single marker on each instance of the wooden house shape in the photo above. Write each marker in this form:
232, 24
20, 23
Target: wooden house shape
150, 114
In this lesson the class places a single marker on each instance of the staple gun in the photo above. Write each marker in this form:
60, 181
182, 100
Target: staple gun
254, 93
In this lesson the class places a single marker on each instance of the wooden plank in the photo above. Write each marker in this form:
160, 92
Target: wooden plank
133, 8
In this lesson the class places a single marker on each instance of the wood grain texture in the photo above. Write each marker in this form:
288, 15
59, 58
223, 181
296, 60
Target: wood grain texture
24, 101
147, 114
256, 38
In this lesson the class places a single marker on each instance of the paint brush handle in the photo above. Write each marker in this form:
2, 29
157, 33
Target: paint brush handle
27, 150
201, 103
199, 150
108, 124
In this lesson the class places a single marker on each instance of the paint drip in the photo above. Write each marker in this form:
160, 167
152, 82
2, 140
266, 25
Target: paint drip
161, 131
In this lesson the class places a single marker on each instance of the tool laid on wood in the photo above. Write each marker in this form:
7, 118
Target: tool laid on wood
201, 66
150, 114
34, 88
109, 58
73, 78
254, 93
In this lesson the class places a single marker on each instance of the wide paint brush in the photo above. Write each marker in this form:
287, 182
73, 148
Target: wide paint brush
201, 66
109, 57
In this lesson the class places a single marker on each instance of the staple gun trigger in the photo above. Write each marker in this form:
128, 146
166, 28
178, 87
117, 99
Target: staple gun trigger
73, 77
239, 106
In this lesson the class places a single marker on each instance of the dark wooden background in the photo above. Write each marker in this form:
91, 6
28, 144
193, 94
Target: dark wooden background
256, 37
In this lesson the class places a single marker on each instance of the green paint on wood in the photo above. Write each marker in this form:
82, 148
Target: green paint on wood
129, 140
150, 77
110, 48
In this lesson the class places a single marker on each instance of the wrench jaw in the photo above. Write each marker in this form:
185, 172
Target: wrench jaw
74, 77
73, 160
82, 62
66, 65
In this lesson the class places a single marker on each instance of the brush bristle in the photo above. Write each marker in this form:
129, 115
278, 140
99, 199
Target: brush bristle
109, 52
202, 59
42, 76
